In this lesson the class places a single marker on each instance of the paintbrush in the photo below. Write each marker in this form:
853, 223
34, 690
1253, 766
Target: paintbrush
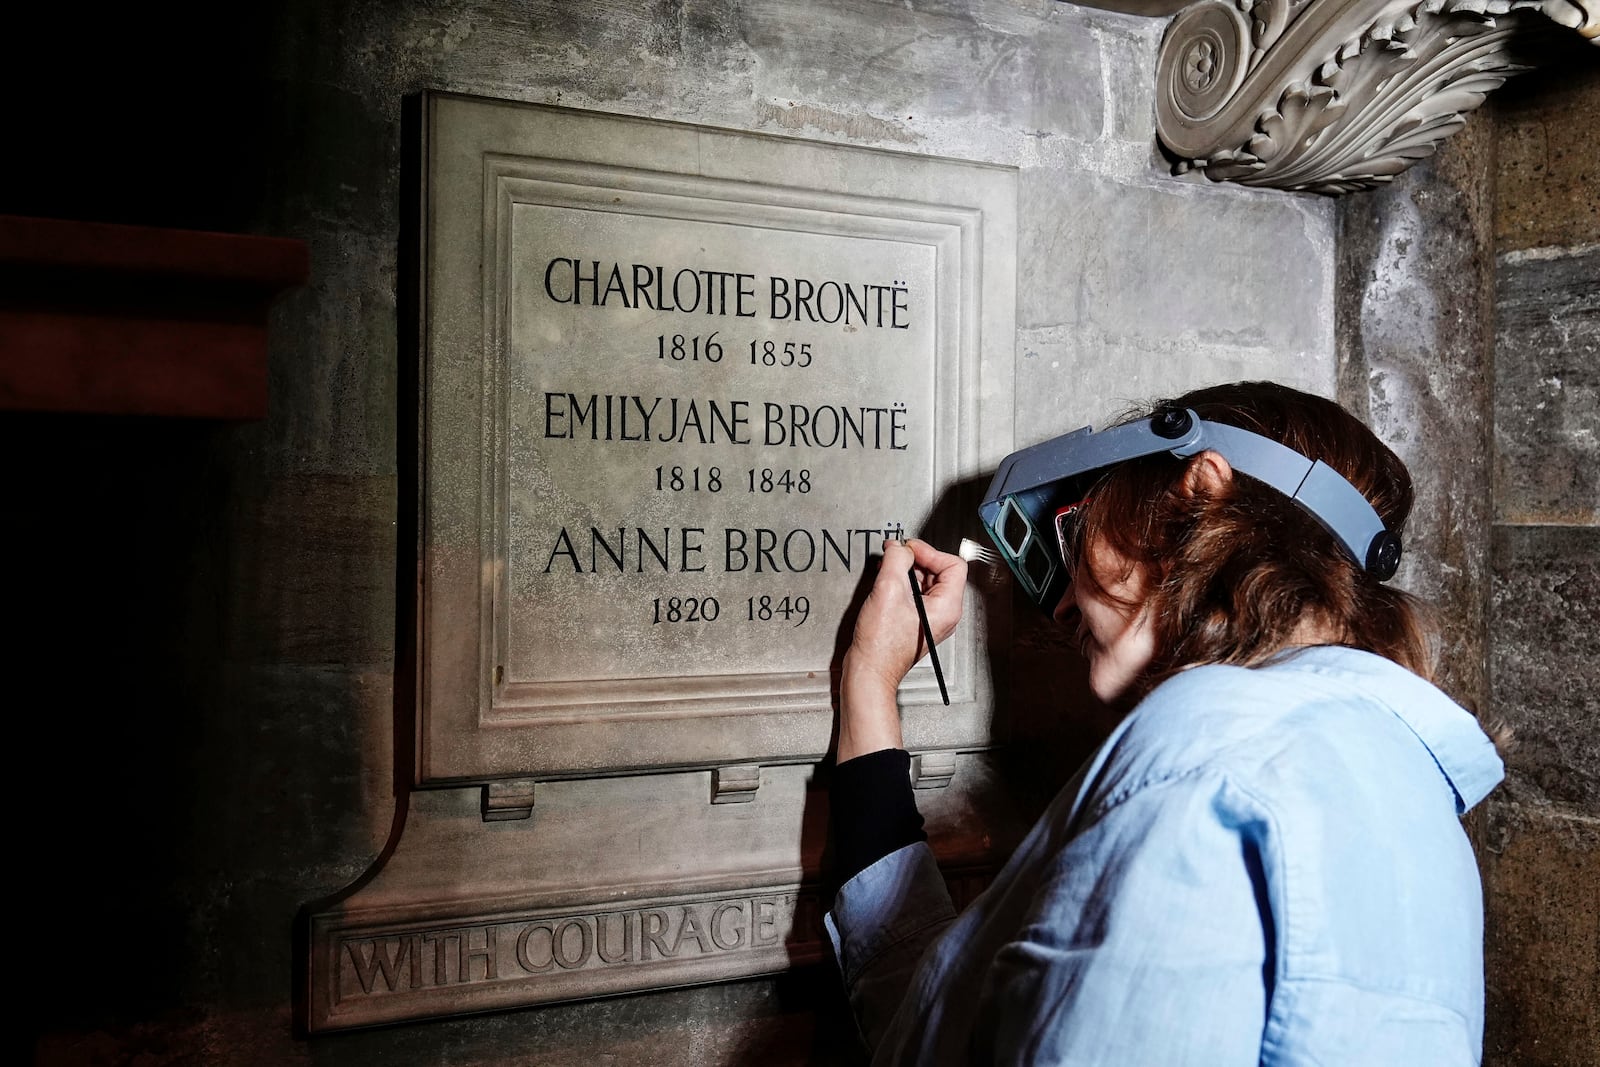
990, 573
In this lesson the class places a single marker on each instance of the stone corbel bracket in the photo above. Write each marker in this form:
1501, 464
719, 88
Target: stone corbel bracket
932, 770
1335, 95
735, 785
504, 801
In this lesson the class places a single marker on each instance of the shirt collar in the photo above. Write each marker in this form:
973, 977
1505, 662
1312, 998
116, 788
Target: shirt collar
1451, 734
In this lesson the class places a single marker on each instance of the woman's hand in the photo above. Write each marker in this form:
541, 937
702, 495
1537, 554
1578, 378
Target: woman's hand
888, 641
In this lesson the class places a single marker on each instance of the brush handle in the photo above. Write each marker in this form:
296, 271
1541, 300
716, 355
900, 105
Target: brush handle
927, 633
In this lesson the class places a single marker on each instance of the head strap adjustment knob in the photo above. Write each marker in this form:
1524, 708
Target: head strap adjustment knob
1171, 423
1383, 555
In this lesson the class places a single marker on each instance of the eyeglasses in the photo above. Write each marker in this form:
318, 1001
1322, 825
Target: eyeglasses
1069, 522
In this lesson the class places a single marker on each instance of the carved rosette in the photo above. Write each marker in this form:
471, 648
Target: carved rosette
1335, 95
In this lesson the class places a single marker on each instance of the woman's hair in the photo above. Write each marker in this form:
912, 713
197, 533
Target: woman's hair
1237, 569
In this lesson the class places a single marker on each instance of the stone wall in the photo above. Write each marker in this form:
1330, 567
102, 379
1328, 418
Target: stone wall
212, 640
1468, 317
1541, 848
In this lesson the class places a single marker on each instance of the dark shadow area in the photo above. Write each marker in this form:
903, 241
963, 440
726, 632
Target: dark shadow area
188, 725
160, 118
407, 549
795, 1018
116, 601
1559, 59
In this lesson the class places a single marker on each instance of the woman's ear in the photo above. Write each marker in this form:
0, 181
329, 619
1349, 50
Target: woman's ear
1207, 473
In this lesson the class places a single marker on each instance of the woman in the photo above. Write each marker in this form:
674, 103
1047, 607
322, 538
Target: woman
1262, 864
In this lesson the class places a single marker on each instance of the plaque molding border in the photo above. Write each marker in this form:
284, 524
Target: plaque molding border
949, 231
472, 723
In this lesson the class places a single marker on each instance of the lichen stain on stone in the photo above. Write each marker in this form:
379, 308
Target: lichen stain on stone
859, 127
1245, 337
446, 37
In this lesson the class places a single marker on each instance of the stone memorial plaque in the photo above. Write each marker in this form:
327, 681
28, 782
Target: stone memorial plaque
679, 386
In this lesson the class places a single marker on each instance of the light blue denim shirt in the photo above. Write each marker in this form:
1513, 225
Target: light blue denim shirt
1258, 866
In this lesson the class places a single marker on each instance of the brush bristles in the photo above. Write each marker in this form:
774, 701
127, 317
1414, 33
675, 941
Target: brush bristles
973, 552
987, 569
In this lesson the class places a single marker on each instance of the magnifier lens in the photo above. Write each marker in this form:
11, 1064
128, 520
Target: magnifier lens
1014, 530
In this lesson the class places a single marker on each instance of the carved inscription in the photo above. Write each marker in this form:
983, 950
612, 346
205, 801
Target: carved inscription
711, 428
547, 948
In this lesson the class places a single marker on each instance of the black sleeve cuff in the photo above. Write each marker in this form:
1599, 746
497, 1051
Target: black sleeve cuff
874, 811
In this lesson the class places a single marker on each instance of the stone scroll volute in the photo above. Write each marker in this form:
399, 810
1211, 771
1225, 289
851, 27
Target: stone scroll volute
1331, 96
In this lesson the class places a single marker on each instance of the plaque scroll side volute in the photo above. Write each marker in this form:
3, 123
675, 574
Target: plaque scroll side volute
1331, 96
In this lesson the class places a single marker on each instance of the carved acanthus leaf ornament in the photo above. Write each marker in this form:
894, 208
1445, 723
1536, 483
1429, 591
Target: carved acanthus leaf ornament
1336, 95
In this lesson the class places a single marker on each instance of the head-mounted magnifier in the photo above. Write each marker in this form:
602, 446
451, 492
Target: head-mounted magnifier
1033, 492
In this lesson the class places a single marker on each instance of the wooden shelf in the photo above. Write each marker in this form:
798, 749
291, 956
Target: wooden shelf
137, 320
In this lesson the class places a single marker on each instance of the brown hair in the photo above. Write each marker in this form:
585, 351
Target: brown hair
1236, 572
